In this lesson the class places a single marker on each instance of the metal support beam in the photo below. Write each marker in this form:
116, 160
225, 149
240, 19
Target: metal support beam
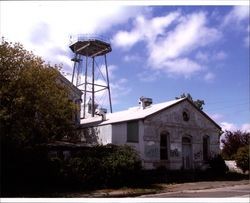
78, 76
74, 69
100, 52
81, 48
85, 87
93, 87
107, 74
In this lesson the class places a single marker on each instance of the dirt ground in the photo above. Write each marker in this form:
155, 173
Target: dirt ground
154, 189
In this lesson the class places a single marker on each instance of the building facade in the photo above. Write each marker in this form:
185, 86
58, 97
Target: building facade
174, 134
75, 95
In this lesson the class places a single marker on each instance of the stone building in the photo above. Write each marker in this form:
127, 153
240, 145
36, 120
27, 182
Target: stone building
174, 134
75, 95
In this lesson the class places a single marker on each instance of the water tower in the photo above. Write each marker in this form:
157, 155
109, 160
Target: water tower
90, 63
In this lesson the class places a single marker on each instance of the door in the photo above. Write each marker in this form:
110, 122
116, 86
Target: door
186, 153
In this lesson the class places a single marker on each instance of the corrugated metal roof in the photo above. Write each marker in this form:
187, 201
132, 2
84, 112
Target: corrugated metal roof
134, 113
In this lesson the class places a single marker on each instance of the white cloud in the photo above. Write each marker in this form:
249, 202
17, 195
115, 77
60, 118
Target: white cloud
236, 15
168, 49
45, 28
217, 117
245, 127
221, 55
208, 56
246, 39
144, 29
42, 26
228, 126
148, 76
209, 77
201, 56
188, 35
238, 19
126, 39
119, 88
180, 66
233, 127
132, 58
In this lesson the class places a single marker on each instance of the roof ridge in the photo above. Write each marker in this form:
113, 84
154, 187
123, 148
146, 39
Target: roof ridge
152, 105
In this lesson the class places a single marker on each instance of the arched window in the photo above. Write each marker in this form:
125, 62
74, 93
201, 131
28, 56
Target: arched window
186, 140
185, 116
164, 146
206, 143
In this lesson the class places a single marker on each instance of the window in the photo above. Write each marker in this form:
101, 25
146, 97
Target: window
76, 114
205, 148
132, 131
164, 146
186, 140
185, 116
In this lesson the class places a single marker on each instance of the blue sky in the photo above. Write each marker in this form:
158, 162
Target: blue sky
157, 51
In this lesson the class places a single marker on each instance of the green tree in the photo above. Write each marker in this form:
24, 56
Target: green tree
34, 110
34, 106
232, 141
242, 158
199, 103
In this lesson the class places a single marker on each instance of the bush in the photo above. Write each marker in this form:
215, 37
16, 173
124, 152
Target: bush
242, 158
217, 165
96, 167
232, 141
122, 166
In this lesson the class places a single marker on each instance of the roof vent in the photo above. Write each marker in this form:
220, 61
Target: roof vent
102, 112
145, 102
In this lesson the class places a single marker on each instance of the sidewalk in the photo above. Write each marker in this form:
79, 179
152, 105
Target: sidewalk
154, 189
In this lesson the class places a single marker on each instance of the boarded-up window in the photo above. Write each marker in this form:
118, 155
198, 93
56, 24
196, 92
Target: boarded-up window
132, 131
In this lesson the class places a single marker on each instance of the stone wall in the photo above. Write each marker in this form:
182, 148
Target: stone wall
171, 121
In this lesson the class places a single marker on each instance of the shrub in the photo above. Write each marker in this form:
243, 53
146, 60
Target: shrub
96, 167
121, 166
232, 141
217, 165
242, 158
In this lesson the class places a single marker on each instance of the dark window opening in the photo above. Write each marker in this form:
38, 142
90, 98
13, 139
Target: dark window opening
164, 146
132, 131
185, 116
186, 140
205, 148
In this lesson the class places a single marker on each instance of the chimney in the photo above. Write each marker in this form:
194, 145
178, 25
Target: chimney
145, 102
102, 112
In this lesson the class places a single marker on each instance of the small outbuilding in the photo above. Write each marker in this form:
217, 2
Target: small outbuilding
174, 134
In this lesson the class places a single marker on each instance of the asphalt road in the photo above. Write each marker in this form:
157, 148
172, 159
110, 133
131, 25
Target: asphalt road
228, 191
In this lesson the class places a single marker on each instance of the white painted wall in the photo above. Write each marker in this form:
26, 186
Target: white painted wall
119, 136
119, 133
169, 120
104, 134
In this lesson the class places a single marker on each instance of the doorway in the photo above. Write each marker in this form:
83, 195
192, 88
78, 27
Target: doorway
187, 160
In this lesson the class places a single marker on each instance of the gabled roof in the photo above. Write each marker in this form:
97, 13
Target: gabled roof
69, 84
137, 113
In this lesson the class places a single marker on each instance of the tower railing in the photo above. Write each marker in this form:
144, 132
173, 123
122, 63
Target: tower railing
88, 37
